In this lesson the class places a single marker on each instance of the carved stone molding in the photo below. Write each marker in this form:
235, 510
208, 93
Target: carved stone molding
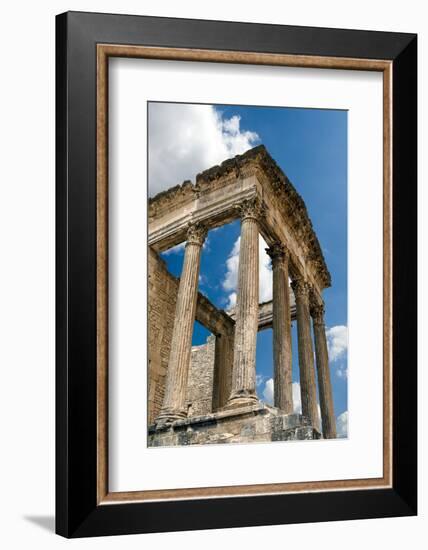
251, 209
317, 312
278, 253
170, 198
196, 234
301, 288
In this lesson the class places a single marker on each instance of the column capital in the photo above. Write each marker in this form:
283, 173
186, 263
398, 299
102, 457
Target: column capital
317, 312
196, 233
301, 288
253, 208
278, 253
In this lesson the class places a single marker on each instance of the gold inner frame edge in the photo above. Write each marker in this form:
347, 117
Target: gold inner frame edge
104, 51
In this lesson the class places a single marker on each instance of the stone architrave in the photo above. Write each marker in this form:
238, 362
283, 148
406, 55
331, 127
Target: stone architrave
282, 355
247, 307
323, 370
306, 353
174, 403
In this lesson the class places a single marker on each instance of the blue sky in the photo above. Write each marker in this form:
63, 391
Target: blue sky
310, 146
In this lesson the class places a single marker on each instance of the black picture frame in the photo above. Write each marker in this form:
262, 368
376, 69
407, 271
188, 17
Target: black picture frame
77, 511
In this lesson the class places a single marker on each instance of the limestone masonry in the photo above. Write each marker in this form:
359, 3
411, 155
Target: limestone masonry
207, 394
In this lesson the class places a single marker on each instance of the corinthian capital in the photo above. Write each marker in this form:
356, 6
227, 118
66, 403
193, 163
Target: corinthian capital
196, 234
301, 288
251, 209
317, 312
277, 252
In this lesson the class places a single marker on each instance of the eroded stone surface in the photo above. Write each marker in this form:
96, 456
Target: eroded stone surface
199, 395
259, 423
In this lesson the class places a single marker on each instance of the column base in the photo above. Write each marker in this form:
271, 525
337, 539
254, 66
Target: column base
168, 416
243, 398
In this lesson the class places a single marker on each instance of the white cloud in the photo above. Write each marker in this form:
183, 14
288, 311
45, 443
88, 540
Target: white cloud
230, 281
342, 425
185, 139
206, 245
297, 401
178, 248
265, 273
297, 398
260, 379
337, 341
231, 301
268, 391
175, 249
342, 372
203, 280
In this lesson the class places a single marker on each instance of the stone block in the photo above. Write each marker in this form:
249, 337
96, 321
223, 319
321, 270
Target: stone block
257, 423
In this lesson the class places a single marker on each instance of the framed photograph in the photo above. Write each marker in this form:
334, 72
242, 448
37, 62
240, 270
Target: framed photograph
236, 274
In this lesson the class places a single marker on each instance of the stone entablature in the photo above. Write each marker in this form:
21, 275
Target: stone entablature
214, 199
215, 320
266, 313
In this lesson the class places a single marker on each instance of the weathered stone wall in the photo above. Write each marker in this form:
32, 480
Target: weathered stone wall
200, 381
223, 367
259, 423
162, 296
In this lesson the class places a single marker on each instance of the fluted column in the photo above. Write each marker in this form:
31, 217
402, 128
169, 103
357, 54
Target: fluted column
323, 370
174, 403
283, 390
306, 352
247, 308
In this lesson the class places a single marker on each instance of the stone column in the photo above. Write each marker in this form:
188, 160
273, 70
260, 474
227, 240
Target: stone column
306, 352
174, 402
323, 370
283, 390
247, 308
222, 371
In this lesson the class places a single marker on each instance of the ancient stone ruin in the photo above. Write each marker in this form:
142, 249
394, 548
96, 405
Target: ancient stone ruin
207, 394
